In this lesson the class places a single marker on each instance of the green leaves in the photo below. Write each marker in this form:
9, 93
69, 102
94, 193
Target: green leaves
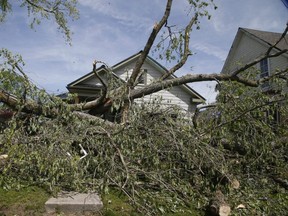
161, 163
61, 11
5, 8
173, 44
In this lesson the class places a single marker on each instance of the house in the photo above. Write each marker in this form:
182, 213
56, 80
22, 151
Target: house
88, 87
250, 44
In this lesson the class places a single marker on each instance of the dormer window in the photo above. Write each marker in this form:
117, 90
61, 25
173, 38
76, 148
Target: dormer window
143, 77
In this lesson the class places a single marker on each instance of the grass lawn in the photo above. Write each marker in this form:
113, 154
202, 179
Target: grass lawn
26, 201
31, 201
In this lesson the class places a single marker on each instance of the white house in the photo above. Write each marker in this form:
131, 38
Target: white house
88, 87
250, 44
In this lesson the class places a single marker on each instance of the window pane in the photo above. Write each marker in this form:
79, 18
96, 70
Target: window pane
264, 68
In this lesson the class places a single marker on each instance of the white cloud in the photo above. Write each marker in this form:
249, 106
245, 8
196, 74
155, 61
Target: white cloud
122, 12
260, 14
211, 49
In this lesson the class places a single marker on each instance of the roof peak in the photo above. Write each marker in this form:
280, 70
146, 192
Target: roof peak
268, 37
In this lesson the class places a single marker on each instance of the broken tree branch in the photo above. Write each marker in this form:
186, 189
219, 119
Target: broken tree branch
250, 110
187, 52
42, 8
189, 78
157, 27
105, 90
197, 111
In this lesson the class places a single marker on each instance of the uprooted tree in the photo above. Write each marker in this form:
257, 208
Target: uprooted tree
161, 163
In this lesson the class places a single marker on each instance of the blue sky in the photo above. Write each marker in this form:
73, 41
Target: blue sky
112, 30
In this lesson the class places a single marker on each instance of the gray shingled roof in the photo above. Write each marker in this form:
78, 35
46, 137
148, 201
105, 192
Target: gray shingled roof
269, 37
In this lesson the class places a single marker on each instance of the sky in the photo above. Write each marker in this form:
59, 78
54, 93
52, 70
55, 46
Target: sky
112, 30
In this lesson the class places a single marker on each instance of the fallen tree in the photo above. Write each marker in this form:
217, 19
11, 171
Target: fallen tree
160, 163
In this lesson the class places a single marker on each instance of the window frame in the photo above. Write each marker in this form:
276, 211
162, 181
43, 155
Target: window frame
264, 67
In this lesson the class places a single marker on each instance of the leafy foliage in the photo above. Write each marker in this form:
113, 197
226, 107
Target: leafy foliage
172, 44
135, 158
60, 10
161, 163
247, 127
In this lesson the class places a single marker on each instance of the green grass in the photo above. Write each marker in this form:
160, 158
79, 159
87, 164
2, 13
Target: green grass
26, 201
31, 201
117, 204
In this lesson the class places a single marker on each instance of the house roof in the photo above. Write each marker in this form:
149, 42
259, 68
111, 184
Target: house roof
265, 37
270, 38
197, 97
87, 76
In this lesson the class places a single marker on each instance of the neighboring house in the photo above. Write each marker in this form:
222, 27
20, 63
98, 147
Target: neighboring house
250, 44
88, 87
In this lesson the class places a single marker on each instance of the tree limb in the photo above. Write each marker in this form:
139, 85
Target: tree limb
255, 61
197, 111
186, 53
30, 106
277, 42
189, 78
250, 110
157, 27
104, 92
39, 7
279, 74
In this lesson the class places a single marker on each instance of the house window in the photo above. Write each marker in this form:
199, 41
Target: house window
264, 72
264, 68
143, 77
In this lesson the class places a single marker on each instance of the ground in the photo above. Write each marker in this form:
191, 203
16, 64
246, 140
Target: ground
31, 201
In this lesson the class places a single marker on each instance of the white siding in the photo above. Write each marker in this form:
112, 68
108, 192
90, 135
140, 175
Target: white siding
173, 96
246, 50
